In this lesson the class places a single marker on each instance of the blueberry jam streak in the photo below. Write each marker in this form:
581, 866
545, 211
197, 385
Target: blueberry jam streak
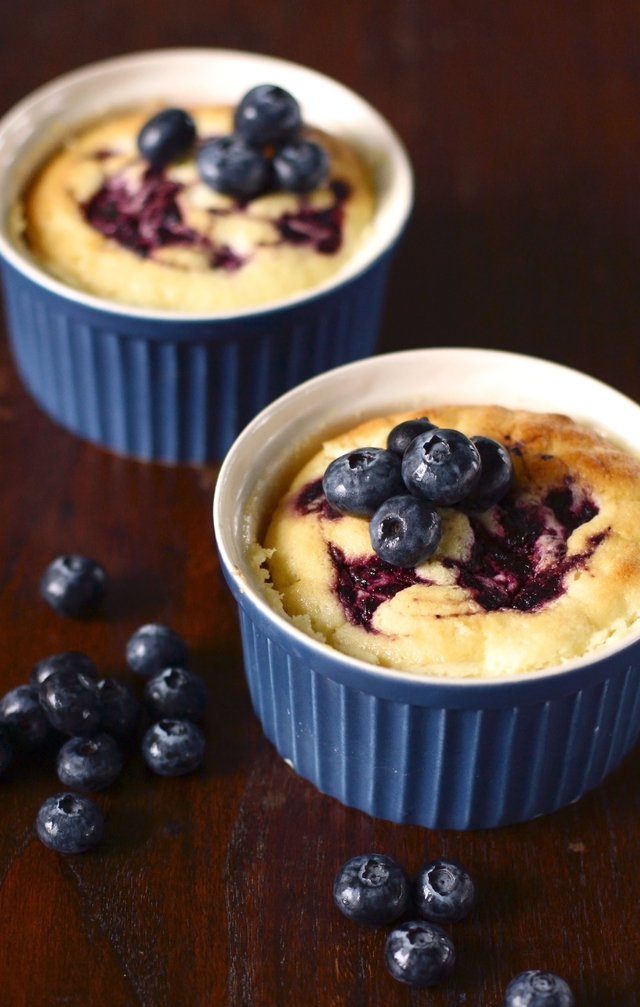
149, 218
320, 228
362, 586
520, 566
523, 566
311, 500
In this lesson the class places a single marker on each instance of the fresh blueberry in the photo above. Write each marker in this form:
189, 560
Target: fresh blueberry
401, 436
538, 989
358, 482
176, 692
71, 702
73, 585
173, 747
154, 647
21, 713
443, 891
6, 749
419, 953
69, 823
89, 764
496, 476
121, 708
441, 466
231, 166
267, 115
371, 888
300, 166
66, 660
167, 136
405, 531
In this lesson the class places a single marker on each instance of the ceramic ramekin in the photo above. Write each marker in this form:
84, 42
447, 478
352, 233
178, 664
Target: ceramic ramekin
164, 385
460, 754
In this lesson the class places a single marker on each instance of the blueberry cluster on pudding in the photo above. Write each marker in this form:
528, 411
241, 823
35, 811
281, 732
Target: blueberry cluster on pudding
520, 552
198, 209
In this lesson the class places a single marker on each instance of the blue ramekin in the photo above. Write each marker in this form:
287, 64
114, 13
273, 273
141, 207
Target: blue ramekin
442, 753
164, 385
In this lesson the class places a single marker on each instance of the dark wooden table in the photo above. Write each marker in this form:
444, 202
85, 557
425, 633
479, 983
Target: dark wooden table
523, 122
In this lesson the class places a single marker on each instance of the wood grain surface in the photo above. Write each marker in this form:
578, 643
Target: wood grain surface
523, 123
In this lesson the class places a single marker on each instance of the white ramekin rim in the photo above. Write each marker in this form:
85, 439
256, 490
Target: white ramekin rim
393, 381
37, 124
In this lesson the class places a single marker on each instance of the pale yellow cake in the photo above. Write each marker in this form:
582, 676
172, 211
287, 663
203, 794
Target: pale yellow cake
550, 573
240, 258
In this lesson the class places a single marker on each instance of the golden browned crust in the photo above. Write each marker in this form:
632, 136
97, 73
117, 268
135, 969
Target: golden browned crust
440, 627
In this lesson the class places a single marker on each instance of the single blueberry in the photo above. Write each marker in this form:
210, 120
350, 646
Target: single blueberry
405, 531
419, 953
167, 136
21, 713
89, 764
267, 115
372, 889
6, 749
71, 702
300, 166
443, 891
441, 466
496, 476
69, 823
229, 165
73, 585
154, 647
176, 692
66, 660
401, 436
173, 747
121, 709
358, 482
538, 989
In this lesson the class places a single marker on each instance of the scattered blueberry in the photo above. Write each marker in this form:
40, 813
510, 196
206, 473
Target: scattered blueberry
176, 692
401, 436
71, 702
371, 888
359, 481
405, 531
121, 708
73, 585
231, 166
267, 115
89, 764
538, 989
441, 466
496, 476
173, 747
6, 749
21, 713
300, 166
167, 136
419, 953
69, 823
443, 891
67, 660
154, 647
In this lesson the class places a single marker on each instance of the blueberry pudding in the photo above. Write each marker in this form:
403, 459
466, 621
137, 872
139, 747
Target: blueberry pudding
509, 545
372, 889
199, 209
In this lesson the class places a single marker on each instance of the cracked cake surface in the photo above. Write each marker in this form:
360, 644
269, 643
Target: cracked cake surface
550, 573
98, 218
